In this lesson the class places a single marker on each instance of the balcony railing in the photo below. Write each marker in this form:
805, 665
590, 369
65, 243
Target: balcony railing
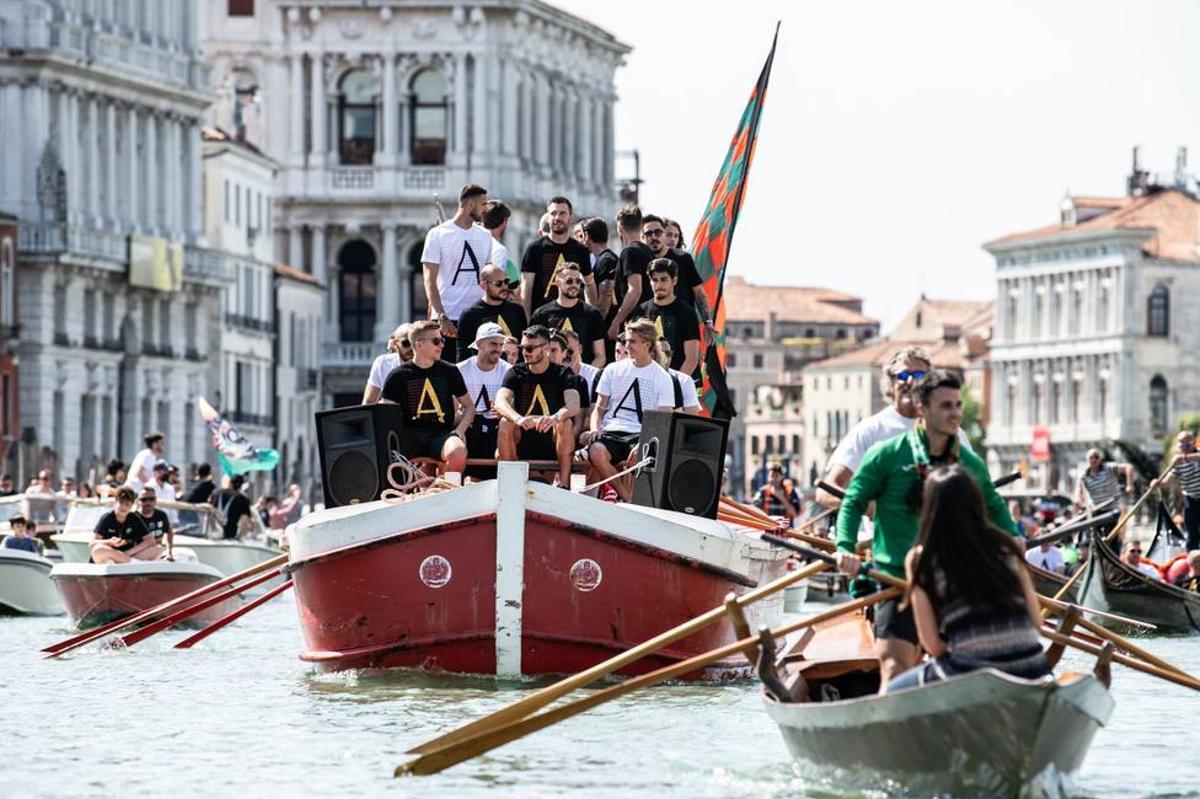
155, 351
352, 177
250, 323
351, 353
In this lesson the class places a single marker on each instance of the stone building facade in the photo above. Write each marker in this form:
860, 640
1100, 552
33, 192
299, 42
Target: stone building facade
10, 417
299, 300
379, 113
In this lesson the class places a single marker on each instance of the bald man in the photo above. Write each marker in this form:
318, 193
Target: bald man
494, 307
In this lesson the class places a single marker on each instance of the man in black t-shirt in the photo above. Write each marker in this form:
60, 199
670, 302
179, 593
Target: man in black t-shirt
156, 521
494, 307
631, 286
537, 405
232, 505
567, 312
434, 402
545, 255
688, 286
120, 535
563, 349
604, 271
674, 318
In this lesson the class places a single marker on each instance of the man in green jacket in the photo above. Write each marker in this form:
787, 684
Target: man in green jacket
892, 475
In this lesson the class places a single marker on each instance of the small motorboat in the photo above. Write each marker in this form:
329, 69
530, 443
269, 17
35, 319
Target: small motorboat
25, 586
984, 733
1112, 586
96, 594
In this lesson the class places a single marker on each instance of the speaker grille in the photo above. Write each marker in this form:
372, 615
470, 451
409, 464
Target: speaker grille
691, 487
353, 478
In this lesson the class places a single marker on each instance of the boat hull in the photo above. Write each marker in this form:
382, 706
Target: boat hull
1049, 584
97, 594
529, 580
25, 586
1113, 587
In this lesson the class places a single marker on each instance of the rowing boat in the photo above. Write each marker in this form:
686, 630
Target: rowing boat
1114, 587
981, 733
1048, 583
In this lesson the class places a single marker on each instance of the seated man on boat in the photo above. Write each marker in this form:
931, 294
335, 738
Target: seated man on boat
157, 522
972, 600
1190, 581
484, 376
537, 406
433, 399
21, 537
121, 535
1131, 556
892, 474
1048, 557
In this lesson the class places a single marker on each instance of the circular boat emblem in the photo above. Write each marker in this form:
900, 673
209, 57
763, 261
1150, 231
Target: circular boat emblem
586, 574
435, 571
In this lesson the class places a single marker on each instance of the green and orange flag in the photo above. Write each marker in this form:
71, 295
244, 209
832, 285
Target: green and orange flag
710, 247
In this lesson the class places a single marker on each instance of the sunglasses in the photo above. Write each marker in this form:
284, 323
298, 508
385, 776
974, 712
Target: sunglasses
658, 232
531, 347
914, 374
570, 353
572, 282
497, 282
405, 345
150, 500
436, 341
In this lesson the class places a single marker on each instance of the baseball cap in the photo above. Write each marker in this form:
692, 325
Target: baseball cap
487, 330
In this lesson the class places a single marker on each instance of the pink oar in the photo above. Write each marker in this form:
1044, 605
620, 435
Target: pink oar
200, 635
191, 610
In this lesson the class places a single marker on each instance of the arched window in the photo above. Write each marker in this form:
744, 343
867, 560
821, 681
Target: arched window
1158, 405
420, 303
356, 260
430, 117
1158, 312
356, 117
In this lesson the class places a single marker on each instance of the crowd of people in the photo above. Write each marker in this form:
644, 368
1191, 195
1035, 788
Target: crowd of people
554, 360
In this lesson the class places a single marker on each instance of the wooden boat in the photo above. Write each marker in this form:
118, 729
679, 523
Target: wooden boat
1114, 587
510, 577
96, 594
25, 587
984, 733
1048, 583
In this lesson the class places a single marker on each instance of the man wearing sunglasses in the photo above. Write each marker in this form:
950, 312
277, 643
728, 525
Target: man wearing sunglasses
399, 349
898, 383
157, 523
495, 307
568, 312
687, 286
433, 399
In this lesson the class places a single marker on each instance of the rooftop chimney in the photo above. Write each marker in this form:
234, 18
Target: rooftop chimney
1139, 179
1066, 210
1181, 173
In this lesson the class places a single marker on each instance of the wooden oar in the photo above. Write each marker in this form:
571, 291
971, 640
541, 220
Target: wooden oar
172, 619
1170, 675
1157, 665
76, 641
1065, 606
200, 635
435, 759
541, 698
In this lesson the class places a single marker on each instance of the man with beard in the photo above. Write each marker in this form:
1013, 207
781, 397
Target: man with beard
567, 312
674, 319
897, 384
495, 218
399, 349
484, 376
157, 522
455, 252
537, 405
546, 255
561, 353
654, 233
494, 307
631, 286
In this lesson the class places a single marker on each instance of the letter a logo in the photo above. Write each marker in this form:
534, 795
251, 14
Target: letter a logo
567, 326
554, 276
636, 408
504, 326
658, 326
483, 403
538, 400
467, 255
435, 407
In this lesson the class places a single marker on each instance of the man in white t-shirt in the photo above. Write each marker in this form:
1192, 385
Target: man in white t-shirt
900, 376
163, 490
1047, 557
455, 252
484, 375
627, 389
141, 471
399, 350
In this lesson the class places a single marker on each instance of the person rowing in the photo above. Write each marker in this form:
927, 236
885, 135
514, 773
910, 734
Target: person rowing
891, 474
970, 594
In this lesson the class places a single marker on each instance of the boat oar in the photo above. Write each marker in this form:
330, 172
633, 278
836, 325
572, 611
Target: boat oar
82, 639
433, 759
207, 602
1063, 607
1072, 527
1151, 665
1170, 675
200, 635
543, 697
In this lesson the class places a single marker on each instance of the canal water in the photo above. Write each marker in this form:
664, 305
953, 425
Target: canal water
241, 716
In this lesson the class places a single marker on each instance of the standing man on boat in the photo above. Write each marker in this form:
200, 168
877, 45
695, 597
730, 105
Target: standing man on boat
674, 319
1185, 467
455, 253
232, 506
141, 471
1099, 483
156, 521
484, 376
120, 535
568, 311
546, 255
631, 286
494, 307
892, 474
687, 288
778, 496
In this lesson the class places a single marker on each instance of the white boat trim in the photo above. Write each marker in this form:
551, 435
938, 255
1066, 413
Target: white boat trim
145, 568
510, 566
25, 586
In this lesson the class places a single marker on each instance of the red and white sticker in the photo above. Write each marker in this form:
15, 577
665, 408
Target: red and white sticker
586, 574
435, 571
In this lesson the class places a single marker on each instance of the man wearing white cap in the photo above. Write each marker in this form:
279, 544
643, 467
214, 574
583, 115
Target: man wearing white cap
484, 375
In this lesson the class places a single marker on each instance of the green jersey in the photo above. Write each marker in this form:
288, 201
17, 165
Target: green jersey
887, 476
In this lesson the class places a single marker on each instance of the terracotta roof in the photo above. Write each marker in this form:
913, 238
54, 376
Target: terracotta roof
746, 301
945, 355
283, 270
1170, 217
928, 319
212, 133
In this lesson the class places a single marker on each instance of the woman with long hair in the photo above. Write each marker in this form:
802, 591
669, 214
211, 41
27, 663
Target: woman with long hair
972, 599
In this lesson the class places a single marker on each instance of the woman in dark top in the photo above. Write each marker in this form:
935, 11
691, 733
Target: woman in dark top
972, 598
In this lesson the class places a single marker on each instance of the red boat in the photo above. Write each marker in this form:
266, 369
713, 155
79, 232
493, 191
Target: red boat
97, 594
514, 578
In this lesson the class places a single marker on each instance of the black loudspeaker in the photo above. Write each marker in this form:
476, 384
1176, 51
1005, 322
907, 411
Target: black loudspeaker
689, 461
355, 445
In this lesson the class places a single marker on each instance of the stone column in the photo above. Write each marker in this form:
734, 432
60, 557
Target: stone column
385, 149
318, 110
153, 216
570, 150
66, 148
511, 87
195, 220
525, 145
460, 109
586, 178
92, 145
296, 98
608, 142
404, 275
295, 246
132, 176
598, 146
542, 151
479, 101
113, 210
388, 314
318, 268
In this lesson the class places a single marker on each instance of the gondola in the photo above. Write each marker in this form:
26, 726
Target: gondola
1048, 583
1112, 586
981, 733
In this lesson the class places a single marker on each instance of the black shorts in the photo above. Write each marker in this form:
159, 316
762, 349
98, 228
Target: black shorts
619, 445
535, 446
423, 443
891, 622
481, 443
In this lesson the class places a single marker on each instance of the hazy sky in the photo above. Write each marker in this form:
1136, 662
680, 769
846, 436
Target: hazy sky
900, 136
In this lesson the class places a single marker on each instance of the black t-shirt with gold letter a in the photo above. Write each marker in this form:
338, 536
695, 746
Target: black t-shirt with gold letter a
538, 394
425, 396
